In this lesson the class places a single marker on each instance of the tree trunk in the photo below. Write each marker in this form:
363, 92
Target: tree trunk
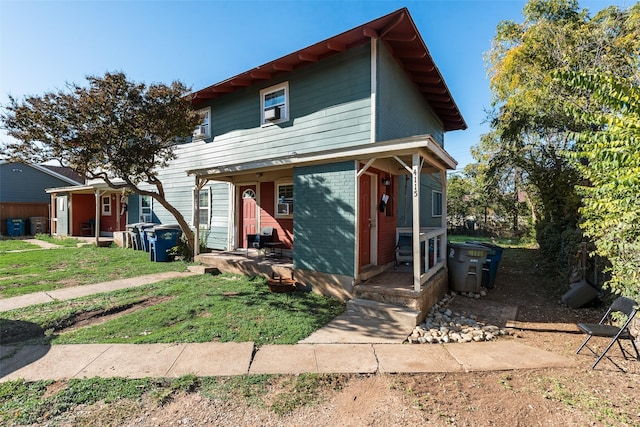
182, 222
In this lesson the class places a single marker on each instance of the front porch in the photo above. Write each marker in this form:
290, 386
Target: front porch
393, 286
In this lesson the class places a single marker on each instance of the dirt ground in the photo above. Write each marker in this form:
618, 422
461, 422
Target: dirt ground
577, 396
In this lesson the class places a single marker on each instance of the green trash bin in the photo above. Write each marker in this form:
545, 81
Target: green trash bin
465, 263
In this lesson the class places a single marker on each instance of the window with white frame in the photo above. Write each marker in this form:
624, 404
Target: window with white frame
274, 104
436, 203
204, 207
106, 205
203, 130
146, 208
284, 200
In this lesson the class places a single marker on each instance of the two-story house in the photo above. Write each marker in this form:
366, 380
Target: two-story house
338, 146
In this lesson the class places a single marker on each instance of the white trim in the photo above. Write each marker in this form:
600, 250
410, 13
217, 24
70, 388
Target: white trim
106, 212
434, 214
397, 147
200, 134
284, 115
277, 202
231, 225
207, 191
140, 207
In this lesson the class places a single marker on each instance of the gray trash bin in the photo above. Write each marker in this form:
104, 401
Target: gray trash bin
465, 262
38, 225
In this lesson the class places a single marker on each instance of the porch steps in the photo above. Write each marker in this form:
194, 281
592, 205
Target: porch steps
402, 315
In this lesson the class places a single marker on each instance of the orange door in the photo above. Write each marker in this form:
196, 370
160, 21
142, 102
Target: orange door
365, 220
249, 210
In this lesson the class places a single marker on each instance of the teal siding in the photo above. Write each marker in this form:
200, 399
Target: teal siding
329, 104
324, 226
401, 109
179, 192
428, 183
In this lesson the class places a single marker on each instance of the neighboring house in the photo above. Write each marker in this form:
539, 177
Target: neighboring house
338, 146
89, 210
22, 191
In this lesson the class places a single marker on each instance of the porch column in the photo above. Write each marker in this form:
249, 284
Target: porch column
415, 183
96, 232
52, 214
196, 220
196, 216
443, 241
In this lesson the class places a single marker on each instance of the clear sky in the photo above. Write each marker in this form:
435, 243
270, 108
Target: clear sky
45, 44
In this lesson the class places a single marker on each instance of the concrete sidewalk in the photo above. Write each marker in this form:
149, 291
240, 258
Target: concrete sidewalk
61, 362
80, 291
345, 345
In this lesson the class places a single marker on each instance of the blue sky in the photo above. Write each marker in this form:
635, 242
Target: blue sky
44, 44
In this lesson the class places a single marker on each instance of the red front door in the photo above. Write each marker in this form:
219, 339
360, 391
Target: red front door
365, 220
249, 210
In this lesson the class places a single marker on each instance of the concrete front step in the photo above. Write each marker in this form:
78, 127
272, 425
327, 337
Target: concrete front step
402, 315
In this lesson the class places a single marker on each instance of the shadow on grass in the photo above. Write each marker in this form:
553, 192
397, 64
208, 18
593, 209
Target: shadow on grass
21, 343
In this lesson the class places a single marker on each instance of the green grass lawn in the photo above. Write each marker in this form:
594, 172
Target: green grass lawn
194, 309
44, 270
16, 245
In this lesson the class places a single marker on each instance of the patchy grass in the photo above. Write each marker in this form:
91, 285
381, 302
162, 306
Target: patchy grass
16, 245
35, 271
44, 402
194, 309
67, 241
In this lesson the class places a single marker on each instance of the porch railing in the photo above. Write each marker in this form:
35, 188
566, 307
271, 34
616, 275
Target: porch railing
433, 257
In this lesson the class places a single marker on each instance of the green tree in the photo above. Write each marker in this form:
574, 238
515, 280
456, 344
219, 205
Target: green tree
459, 204
608, 158
114, 130
529, 122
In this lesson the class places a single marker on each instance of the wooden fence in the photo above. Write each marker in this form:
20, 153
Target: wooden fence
24, 211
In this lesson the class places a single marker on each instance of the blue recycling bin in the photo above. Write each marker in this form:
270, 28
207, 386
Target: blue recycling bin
15, 227
490, 270
162, 238
144, 240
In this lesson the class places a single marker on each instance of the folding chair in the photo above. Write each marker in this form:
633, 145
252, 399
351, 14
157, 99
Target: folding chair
606, 329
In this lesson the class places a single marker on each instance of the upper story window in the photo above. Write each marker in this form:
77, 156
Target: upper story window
274, 104
284, 202
203, 130
436, 203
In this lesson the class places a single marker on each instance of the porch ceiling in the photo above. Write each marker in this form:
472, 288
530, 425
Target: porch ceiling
82, 189
434, 156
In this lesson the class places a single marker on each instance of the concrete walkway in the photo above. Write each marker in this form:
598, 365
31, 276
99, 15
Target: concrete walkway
343, 346
61, 362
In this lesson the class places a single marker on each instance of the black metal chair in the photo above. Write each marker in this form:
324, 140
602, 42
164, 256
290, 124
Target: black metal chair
605, 328
268, 238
